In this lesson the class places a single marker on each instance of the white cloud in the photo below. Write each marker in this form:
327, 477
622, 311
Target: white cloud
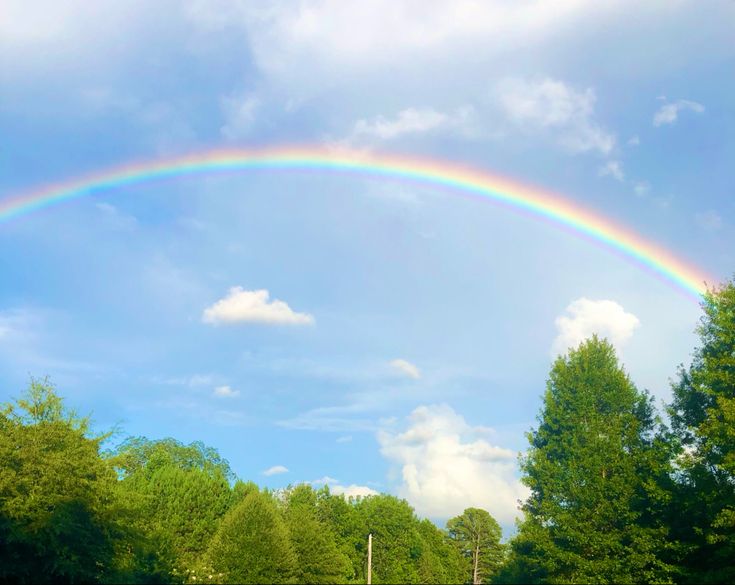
349, 491
669, 113
585, 318
342, 439
614, 169
411, 121
239, 113
246, 306
552, 106
275, 470
444, 468
225, 392
406, 368
641, 188
352, 490
709, 220
634, 141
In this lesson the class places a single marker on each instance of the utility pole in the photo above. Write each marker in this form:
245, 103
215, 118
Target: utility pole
370, 559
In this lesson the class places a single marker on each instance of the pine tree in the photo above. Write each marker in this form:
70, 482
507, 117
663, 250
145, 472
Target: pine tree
596, 469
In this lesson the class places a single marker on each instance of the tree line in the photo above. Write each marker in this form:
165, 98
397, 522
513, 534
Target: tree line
618, 494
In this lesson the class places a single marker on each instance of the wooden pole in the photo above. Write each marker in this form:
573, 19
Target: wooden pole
370, 559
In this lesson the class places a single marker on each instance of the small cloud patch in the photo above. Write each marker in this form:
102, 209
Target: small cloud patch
253, 306
275, 470
406, 368
668, 114
225, 392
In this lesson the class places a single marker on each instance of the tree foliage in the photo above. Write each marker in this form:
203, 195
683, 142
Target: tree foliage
703, 416
252, 544
596, 468
476, 534
615, 497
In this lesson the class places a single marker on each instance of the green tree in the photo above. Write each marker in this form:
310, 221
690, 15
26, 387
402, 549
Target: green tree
440, 561
319, 559
597, 470
703, 417
57, 504
397, 544
253, 545
477, 535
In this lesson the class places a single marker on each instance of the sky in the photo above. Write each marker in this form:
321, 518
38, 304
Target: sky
371, 334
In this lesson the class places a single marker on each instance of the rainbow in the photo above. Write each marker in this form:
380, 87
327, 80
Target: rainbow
500, 190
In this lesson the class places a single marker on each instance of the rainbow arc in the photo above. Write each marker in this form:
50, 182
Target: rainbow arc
536, 202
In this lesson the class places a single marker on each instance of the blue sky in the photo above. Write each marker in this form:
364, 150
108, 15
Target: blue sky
418, 326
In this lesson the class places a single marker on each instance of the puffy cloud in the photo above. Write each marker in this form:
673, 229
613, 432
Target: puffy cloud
226, 392
553, 106
275, 470
669, 113
253, 306
614, 169
444, 468
411, 121
585, 318
406, 368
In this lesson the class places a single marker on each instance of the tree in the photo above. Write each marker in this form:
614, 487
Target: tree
57, 505
440, 561
319, 559
703, 417
476, 535
597, 470
182, 492
252, 544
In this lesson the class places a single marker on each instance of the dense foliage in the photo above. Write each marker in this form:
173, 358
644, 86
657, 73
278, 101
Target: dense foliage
615, 495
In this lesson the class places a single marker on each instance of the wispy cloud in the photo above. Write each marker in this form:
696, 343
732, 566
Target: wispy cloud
405, 368
253, 306
225, 392
275, 470
412, 121
239, 114
614, 169
709, 220
669, 113
551, 106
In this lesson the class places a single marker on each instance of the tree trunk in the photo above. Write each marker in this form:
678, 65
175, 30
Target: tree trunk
475, 576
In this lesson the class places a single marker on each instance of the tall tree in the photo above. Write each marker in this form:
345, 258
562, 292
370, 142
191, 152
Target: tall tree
252, 544
319, 559
57, 503
476, 535
596, 467
703, 416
